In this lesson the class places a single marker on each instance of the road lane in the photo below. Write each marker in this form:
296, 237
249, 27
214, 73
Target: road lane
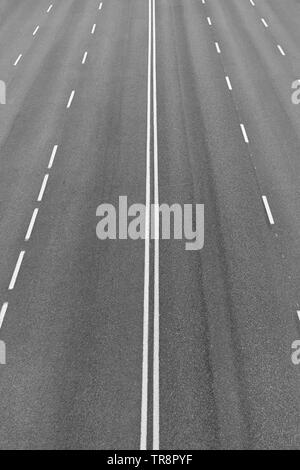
74, 324
225, 331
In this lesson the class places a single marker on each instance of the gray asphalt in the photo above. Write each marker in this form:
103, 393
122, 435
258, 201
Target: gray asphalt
228, 313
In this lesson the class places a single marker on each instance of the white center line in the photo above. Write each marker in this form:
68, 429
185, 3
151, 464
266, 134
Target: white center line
84, 58
49, 8
16, 271
18, 60
156, 253
52, 156
280, 49
3, 312
229, 83
36, 30
244, 133
93, 28
31, 225
268, 210
43, 187
71, 99
145, 367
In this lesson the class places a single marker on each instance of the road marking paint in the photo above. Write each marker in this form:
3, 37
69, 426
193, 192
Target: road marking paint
35, 31
252, 3
218, 47
229, 83
50, 8
43, 187
203, 1
16, 271
145, 366
93, 28
3, 312
31, 225
264, 22
52, 156
156, 252
298, 313
268, 210
71, 99
209, 21
18, 60
244, 133
84, 58
100, 6
280, 49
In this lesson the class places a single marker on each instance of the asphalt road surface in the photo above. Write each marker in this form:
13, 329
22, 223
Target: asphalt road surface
128, 344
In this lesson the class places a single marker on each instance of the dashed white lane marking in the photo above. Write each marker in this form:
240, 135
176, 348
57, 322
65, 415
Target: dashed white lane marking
36, 30
298, 313
31, 225
100, 6
18, 60
209, 21
43, 187
280, 49
203, 1
3, 312
71, 99
264, 22
252, 3
16, 271
52, 156
218, 47
50, 8
156, 252
229, 83
268, 210
84, 57
145, 366
93, 28
244, 133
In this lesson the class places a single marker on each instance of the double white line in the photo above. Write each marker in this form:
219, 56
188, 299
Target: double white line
151, 112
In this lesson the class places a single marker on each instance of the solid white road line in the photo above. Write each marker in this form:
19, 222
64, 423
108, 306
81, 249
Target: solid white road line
93, 28
84, 57
35, 31
16, 271
71, 99
144, 400
156, 253
18, 60
229, 83
52, 156
264, 22
31, 225
244, 133
3, 312
280, 49
43, 187
50, 8
268, 210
